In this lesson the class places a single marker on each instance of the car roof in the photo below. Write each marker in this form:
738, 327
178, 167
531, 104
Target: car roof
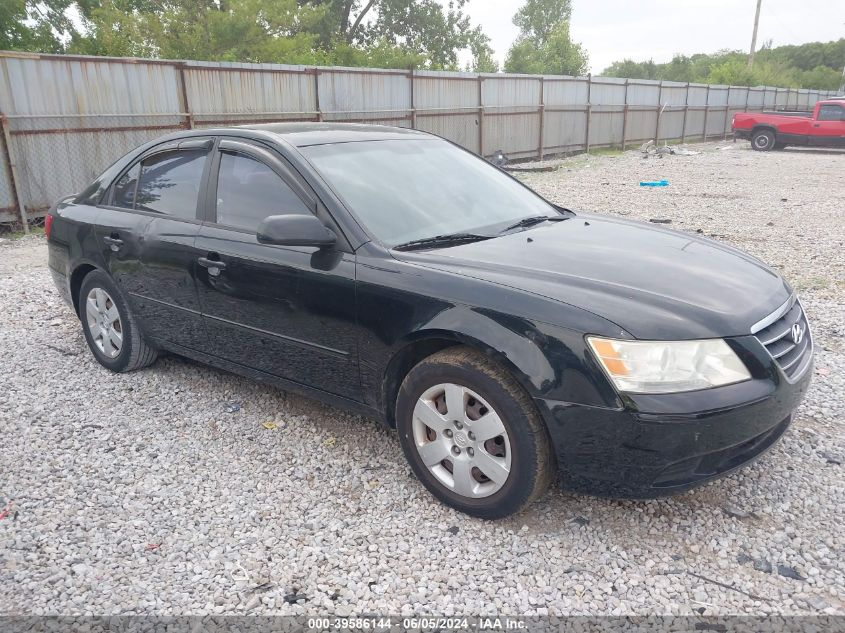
306, 133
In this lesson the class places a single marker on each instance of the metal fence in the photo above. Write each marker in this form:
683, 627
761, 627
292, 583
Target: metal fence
65, 118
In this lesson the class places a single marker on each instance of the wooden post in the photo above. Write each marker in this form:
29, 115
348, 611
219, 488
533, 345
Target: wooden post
480, 117
14, 178
413, 107
589, 112
542, 111
659, 113
317, 94
686, 109
625, 117
186, 107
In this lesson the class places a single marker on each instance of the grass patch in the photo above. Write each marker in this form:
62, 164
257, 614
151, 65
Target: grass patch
16, 234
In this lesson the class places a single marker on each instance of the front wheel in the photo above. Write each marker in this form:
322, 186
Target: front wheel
110, 328
472, 435
763, 140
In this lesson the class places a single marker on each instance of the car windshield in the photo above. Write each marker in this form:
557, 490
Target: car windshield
405, 190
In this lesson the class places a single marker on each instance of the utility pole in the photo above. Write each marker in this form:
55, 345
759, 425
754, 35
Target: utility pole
754, 36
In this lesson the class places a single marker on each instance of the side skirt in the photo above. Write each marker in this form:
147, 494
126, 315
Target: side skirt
285, 385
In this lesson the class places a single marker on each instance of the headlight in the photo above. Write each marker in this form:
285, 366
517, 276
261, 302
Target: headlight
668, 366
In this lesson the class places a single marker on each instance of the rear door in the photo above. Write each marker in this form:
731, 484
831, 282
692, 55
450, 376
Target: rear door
829, 126
284, 310
147, 230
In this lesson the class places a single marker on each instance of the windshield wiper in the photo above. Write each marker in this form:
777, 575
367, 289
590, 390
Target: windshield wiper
531, 221
442, 240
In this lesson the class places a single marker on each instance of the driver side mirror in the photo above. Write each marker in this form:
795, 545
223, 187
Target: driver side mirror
295, 230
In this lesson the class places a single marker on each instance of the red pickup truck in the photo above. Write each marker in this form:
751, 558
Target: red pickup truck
824, 127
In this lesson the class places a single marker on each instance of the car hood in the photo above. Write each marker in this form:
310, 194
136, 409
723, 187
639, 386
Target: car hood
652, 282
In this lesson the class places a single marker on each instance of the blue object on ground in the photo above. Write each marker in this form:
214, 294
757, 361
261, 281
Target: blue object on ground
654, 183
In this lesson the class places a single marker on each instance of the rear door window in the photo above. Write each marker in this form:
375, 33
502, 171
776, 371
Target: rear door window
170, 183
249, 190
124, 188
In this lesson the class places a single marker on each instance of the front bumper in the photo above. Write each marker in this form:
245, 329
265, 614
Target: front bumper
662, 444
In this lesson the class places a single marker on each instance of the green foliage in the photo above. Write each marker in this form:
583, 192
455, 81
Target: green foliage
544, 45
27, 25
380, 33
537, 19
817, 65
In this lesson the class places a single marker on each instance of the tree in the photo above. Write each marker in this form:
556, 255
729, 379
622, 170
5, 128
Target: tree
537, 19
544, 45
816, 65
384, 33
28, 25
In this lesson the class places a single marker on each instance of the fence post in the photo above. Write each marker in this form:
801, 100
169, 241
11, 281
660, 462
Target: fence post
12, 170
480, 117
589, 112
413, 107
317, 94
542, 112
625, 116
684, 124
186, 108
659, 112
706, 112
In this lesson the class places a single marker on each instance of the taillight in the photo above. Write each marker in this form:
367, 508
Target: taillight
48, 225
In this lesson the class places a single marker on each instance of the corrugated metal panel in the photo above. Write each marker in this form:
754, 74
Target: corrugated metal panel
458, 128
606, 125
352, 95
674, 93
607, 91
57, 93
564, 92
564, 131
642, 93
242, 93
54, 165
518, 135
7, 199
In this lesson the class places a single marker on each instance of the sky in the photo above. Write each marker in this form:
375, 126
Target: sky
611, 30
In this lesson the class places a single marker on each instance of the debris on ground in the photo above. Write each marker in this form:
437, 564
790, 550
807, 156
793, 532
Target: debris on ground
654, 183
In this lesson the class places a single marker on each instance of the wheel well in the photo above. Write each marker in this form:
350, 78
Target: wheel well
76, 279
402, 363
760, 128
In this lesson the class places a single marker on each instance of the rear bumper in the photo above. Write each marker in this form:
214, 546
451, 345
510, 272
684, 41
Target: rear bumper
738, 133
58, 263
690, 439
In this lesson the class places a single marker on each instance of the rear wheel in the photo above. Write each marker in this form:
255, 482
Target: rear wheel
472, 435
110, 329
763, 140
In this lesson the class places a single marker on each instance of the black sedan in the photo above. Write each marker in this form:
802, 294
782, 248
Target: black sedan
392, 273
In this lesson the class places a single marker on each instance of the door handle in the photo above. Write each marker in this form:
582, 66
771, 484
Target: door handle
817, 124
114, 242
214, 265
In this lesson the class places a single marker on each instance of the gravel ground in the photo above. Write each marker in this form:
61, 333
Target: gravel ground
162, 491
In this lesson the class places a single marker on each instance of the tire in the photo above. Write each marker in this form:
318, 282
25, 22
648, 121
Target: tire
517, 464
110, 328
763, 140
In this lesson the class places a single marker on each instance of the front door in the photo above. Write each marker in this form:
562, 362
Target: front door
287, 311
829, 128
147, 230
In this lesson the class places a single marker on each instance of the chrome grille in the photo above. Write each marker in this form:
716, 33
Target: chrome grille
776, 334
